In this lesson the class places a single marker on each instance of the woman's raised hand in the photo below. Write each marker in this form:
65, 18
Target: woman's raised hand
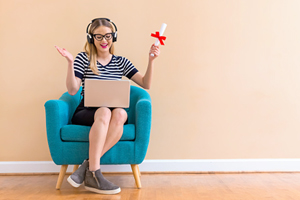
65, 53
154, 50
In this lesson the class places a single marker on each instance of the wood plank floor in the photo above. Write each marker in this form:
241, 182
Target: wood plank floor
256, 186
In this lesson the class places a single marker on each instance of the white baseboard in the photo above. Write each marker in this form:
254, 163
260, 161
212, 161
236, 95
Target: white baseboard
202, 165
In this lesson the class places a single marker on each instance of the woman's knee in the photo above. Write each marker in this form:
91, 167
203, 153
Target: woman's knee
103, 115
119, 116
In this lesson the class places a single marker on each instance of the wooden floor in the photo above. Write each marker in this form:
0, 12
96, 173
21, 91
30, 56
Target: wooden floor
242, 186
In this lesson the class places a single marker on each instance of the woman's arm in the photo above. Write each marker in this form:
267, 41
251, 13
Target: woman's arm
145, 81
72, 82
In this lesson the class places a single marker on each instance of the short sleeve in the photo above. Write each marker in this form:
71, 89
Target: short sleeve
80, 62
129, 69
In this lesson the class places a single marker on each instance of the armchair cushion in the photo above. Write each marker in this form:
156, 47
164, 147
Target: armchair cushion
78, 133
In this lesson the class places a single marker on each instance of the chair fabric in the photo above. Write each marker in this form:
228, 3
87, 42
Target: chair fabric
78, 133
68, 143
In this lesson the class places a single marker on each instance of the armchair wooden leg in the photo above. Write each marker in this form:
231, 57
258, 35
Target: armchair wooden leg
136, 174
138, 170
75, 168
61, 176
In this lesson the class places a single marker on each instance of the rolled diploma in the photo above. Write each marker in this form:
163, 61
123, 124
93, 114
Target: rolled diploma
161, 32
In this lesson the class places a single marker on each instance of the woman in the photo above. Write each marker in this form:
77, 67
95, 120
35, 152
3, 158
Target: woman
99, 62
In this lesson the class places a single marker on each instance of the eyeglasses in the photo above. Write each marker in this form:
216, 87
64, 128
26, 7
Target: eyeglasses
100, 37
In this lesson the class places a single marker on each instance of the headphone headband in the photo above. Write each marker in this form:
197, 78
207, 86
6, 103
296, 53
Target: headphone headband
90, 38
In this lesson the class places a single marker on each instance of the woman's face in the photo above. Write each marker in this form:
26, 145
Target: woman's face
103, 38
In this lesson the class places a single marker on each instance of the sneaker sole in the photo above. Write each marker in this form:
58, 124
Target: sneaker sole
73, 183
116, 191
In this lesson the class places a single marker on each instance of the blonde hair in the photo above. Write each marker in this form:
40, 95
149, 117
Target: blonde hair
91, 50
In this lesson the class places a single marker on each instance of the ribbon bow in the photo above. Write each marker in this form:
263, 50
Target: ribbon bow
160, 38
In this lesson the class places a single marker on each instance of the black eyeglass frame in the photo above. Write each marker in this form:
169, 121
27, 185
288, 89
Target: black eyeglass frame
103, 36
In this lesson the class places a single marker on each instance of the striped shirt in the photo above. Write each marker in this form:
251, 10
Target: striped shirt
118, 66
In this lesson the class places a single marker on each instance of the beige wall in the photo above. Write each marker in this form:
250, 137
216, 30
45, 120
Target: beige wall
225, 86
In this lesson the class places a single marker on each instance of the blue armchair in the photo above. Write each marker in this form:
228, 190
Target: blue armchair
69, 143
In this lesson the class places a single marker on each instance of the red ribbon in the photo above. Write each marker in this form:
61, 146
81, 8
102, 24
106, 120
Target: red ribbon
160, 38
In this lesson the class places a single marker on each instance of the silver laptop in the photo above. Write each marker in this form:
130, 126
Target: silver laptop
108, 93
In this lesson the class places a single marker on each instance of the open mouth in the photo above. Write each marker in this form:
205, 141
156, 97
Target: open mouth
104, 45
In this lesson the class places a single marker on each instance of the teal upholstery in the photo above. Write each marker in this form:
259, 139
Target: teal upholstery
68, 143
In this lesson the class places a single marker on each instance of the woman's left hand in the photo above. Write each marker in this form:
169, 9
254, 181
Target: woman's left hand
154, 50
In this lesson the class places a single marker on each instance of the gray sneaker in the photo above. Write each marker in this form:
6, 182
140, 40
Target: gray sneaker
77, 178
95, 182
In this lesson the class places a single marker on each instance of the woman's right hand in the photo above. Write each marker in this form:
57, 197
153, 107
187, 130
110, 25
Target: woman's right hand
65, 53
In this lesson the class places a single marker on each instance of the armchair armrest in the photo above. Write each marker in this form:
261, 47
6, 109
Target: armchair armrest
56, 117
58, 114
143, 116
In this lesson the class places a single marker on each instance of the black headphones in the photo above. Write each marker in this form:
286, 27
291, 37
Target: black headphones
90, 37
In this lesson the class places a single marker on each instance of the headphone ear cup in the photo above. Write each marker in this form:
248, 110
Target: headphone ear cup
90, 39
115, 37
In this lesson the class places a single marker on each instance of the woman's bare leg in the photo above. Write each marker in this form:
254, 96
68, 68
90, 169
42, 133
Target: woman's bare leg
97, 137
115, 129
105, 132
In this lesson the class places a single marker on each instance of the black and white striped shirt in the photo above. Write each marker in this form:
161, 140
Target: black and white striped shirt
118, 66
